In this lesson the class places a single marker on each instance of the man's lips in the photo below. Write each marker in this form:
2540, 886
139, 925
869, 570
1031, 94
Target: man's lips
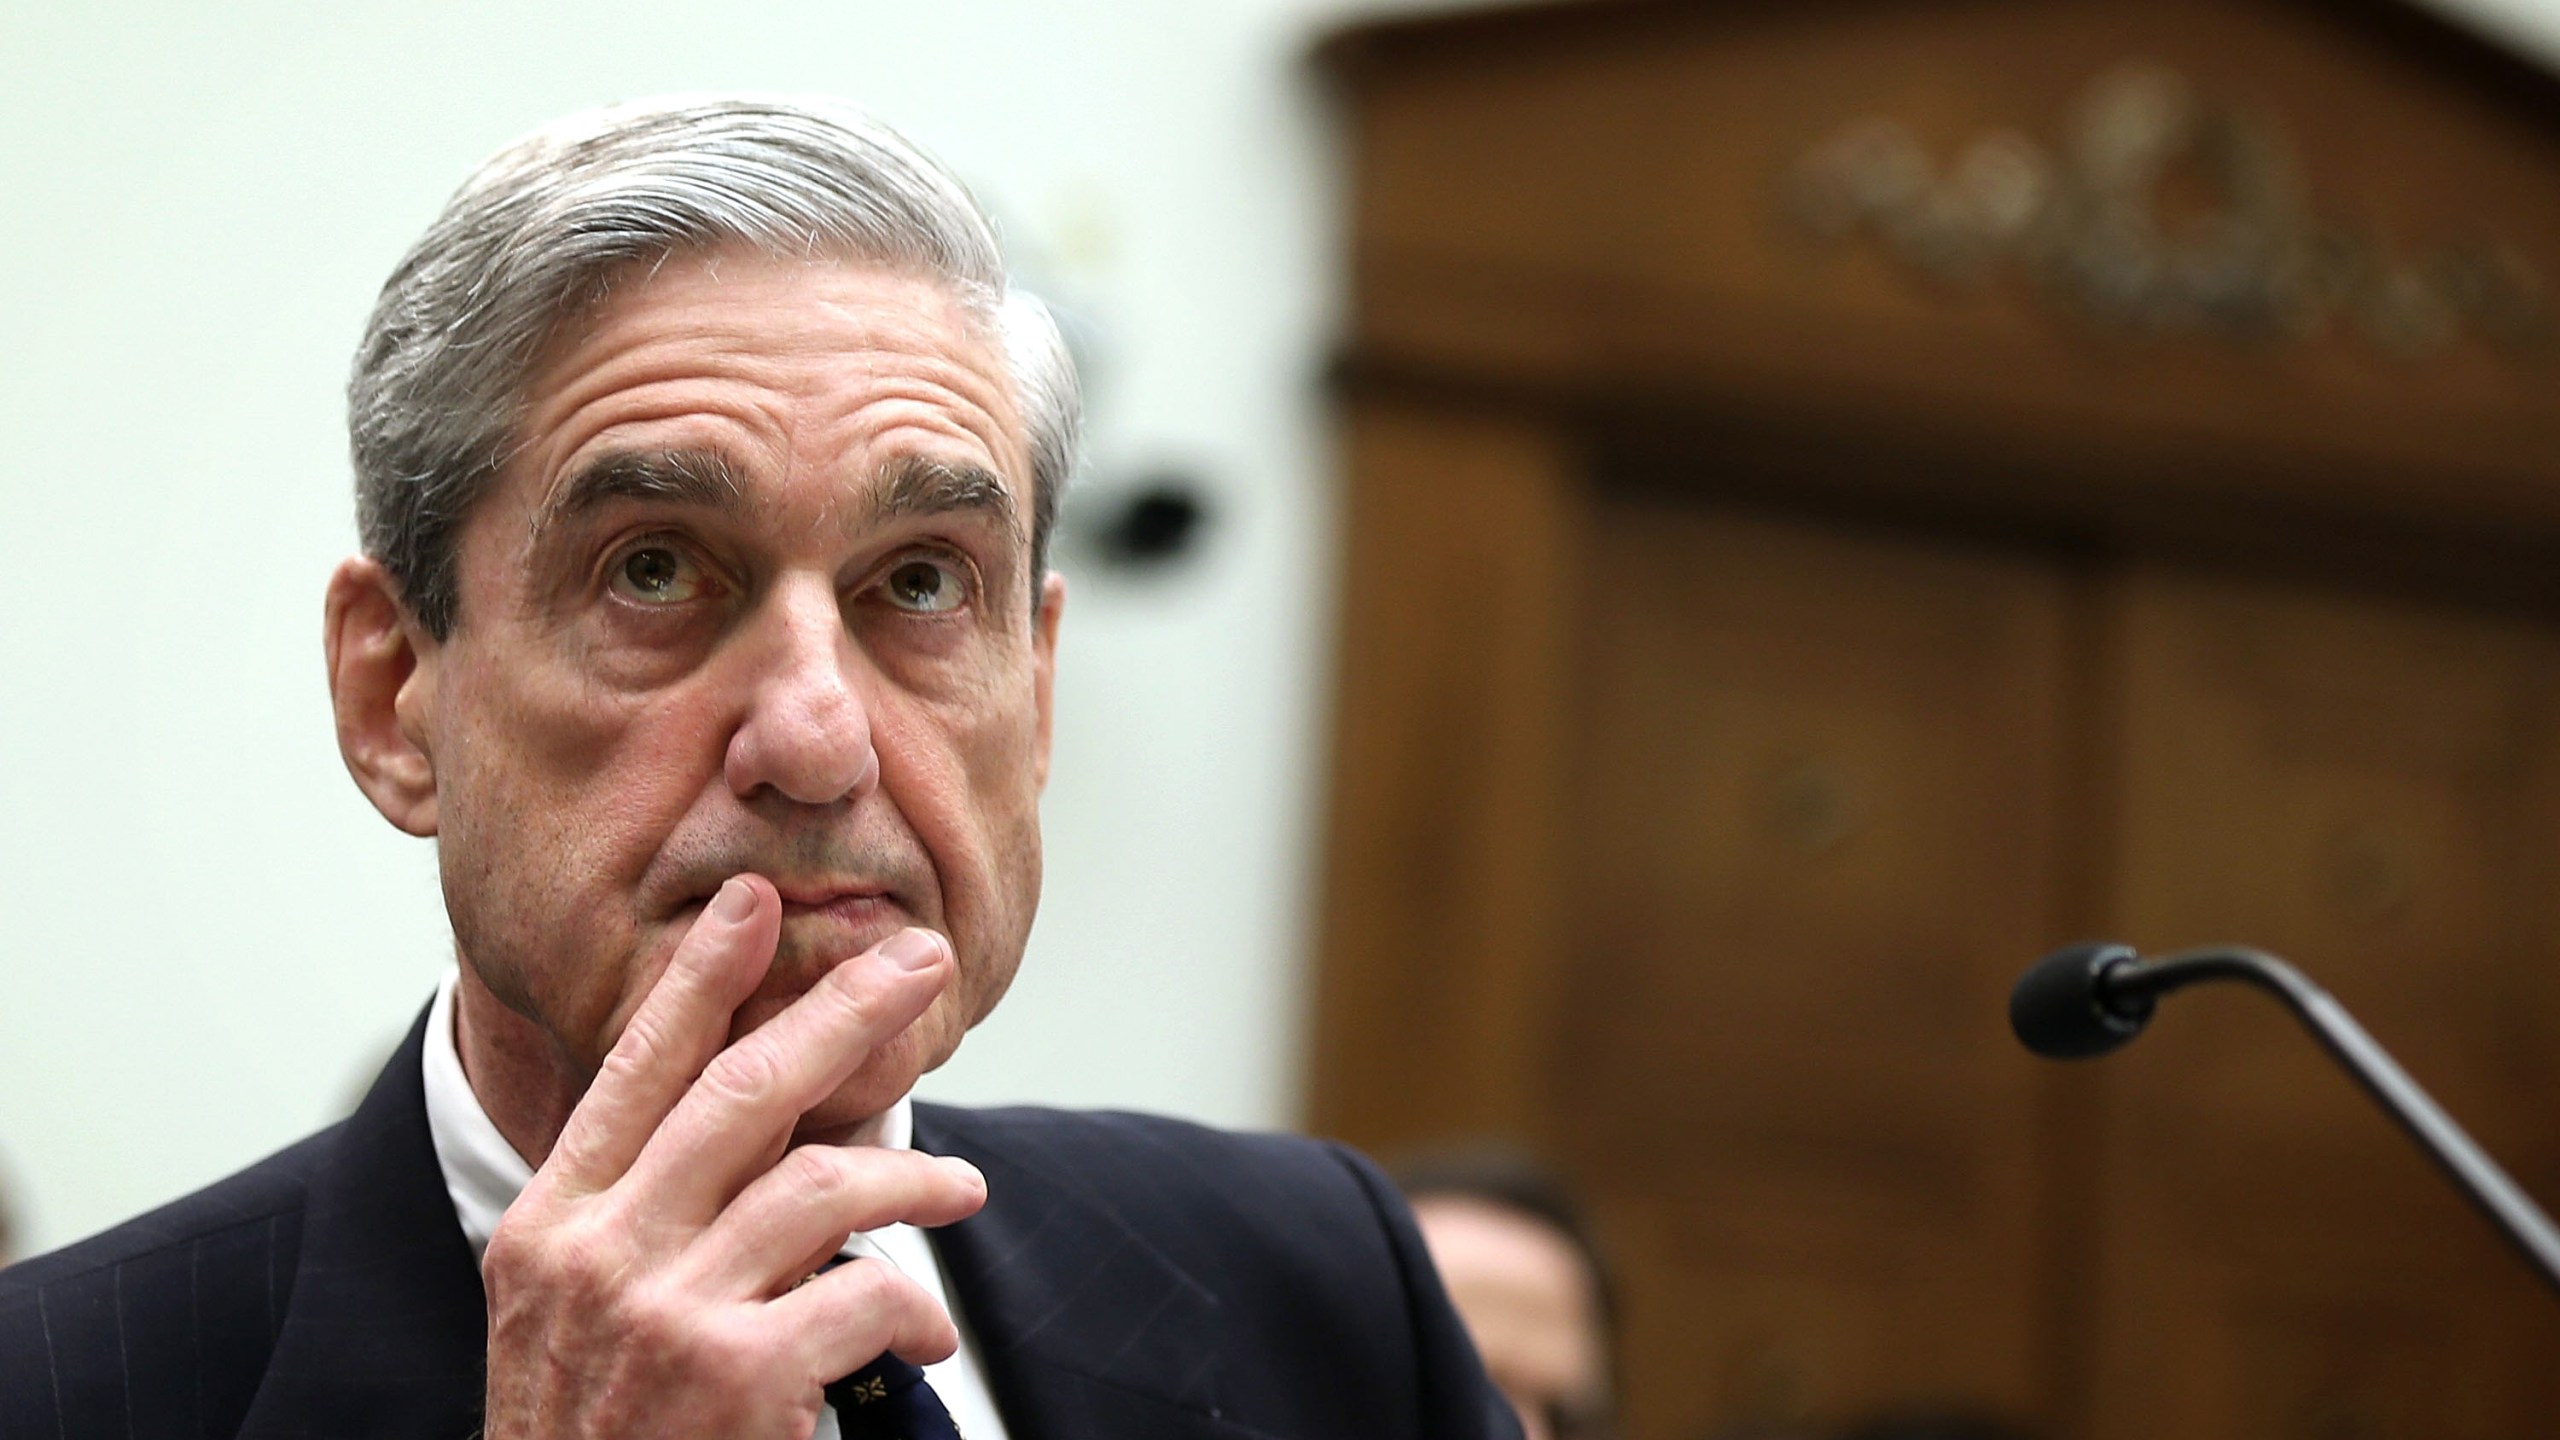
821, 892
804, 893
859, 907
858, 904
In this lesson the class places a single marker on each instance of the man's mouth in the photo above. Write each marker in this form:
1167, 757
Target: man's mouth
862, 905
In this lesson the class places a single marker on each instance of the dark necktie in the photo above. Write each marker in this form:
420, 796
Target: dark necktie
888, 1399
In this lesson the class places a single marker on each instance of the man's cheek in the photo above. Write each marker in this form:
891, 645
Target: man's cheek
650, 953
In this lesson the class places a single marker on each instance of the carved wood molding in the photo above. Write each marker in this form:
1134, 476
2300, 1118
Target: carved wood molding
2158, 209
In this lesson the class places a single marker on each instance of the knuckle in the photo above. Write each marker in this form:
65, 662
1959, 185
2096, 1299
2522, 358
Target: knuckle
815, 1170
745, 1073
523, 1242
880, 1289
583, 1259
654, 1327
641, 1048
511, 1253
567, 1258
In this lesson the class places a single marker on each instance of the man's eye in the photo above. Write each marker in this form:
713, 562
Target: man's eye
927, 587
658, 575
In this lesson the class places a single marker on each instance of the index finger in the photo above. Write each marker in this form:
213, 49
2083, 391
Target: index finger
737, 1117
681, 1024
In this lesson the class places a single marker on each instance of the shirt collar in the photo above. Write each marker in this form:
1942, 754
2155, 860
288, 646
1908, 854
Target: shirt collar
484, 1175
482, 1172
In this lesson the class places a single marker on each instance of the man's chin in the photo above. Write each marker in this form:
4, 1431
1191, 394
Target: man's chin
850, 1115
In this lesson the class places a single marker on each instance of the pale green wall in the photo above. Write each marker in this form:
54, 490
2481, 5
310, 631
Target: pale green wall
206, 938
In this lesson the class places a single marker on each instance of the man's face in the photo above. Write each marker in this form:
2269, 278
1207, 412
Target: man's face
753, 595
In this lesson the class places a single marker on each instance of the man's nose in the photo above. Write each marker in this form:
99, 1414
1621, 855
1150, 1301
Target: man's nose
806, 733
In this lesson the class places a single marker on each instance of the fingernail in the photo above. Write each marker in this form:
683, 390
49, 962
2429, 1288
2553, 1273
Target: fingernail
912, 949
735, 902
964, 1170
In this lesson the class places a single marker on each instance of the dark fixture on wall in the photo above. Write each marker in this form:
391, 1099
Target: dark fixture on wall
1147, 524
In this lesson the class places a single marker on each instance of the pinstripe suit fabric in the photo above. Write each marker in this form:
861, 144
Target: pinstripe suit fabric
1131, 1278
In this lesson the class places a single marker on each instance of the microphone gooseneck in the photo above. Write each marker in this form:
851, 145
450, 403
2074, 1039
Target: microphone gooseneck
2088, 999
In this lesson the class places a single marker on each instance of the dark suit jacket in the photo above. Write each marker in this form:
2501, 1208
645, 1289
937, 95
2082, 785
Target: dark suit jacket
1130, 1277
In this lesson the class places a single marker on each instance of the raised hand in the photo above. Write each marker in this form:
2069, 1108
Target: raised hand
653, 1279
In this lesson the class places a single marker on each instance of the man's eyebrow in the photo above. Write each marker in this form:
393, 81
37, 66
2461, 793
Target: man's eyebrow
914, 486
701, 478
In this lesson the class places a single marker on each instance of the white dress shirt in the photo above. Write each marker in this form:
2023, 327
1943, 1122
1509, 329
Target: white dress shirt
484, 1174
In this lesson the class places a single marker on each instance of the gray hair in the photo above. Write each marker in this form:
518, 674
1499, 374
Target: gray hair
538, 233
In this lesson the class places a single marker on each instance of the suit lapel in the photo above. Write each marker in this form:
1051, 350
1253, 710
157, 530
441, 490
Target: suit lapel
386, 1330
1087, 1329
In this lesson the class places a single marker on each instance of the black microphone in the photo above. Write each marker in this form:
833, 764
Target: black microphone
2091, 998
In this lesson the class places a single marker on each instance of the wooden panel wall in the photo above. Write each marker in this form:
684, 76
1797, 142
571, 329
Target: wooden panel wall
2374, 788
1458, 574
1812, 830
1713, 885
1752, 658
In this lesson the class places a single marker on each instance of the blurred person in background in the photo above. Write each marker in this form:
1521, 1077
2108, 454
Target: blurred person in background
706, 463
1527, 1274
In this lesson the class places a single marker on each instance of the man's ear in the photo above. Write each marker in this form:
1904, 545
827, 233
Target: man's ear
382, 674
1044, 660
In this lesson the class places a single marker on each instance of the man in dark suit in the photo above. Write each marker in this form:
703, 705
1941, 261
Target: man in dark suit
705, 468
